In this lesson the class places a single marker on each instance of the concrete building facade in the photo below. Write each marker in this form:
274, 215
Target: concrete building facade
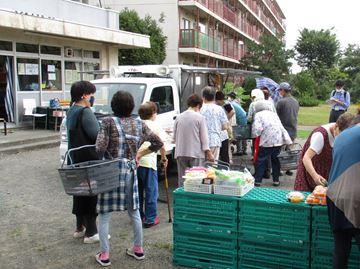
209, 33
46, 45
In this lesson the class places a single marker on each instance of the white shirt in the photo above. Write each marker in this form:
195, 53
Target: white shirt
150, 160
317, 139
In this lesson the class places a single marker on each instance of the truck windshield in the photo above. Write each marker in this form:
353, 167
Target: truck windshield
105, 92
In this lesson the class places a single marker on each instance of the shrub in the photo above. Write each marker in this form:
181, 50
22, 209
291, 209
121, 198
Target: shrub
308, 100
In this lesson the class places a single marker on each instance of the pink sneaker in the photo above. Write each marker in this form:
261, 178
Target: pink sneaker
136, 252
149, 225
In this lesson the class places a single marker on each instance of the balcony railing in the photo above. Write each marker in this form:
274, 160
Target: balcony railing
190, 38
237, 18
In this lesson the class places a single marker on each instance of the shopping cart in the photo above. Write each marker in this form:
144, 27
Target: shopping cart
289, 158
90, 177
242, 132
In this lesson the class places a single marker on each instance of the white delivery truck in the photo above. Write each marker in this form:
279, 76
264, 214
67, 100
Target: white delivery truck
167, 86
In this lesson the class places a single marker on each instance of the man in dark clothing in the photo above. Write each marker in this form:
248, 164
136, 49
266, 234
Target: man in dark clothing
287, 109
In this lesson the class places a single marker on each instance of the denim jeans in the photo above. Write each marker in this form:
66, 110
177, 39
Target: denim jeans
261, 163
148, 185
134, 215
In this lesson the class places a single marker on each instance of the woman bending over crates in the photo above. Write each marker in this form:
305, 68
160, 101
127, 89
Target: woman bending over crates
316, 155
121, 136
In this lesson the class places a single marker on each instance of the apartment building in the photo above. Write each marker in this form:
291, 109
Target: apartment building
210, 33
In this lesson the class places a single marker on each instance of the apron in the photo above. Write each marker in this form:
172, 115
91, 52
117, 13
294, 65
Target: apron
115, 200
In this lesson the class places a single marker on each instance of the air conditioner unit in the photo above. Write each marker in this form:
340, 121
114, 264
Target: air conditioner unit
69, 52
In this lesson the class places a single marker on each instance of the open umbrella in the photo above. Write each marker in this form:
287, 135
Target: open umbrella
271, 85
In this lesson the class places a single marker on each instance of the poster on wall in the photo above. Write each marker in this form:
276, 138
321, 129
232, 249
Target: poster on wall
32, 69
52, 76
21, 69
51, 68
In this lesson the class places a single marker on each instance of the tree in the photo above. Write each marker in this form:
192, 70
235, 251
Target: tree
350, 64
269, 57
130, 21
317, 49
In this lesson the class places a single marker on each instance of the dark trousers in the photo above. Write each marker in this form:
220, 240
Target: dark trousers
262, 162
224, 151
335, 114
342, 248
148, 185
87, 221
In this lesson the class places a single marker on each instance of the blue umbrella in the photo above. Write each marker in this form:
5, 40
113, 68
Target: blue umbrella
271, 85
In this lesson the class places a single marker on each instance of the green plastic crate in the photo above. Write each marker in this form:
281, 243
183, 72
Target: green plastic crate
201, 258
247, 262
280, 240
210, 203
194, 216
322, 259
210, 242
274, 254
206, 228
273, 196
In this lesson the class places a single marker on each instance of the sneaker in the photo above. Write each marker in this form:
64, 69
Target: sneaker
79, 234
137, 255
102, 262
93, 239
289, 173
149, 225
257, 184
276, 183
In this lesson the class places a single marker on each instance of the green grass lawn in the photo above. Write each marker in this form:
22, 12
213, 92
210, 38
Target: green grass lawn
318, 115
303, 134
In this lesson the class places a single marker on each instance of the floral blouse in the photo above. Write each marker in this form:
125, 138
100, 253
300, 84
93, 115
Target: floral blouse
268, 126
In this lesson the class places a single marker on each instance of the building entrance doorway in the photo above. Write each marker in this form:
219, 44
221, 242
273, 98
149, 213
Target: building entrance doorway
6, 88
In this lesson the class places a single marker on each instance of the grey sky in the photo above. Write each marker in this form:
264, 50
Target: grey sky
322, 14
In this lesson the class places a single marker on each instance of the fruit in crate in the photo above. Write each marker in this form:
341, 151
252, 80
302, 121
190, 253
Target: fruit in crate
211, 174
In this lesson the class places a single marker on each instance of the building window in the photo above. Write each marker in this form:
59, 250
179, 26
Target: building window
77, 53
92, 54
5, 45
51, 75
89, 69
31, 48
72, 73
28, 74
50, 50
163, 98
186, 24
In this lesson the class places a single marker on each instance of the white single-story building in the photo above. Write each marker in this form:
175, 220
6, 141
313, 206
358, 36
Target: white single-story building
46, 45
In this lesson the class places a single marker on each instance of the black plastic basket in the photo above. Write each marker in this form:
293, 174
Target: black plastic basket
242, 132
289, 158
91, 177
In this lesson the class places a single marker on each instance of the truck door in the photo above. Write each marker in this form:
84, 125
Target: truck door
163, 97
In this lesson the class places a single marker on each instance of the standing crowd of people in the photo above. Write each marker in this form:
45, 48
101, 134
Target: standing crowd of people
204, 133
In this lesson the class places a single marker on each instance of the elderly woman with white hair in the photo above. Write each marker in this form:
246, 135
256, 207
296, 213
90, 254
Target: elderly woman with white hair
258, 95
273, 135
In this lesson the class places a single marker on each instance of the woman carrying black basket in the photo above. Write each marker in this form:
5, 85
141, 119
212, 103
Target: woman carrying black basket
83, 128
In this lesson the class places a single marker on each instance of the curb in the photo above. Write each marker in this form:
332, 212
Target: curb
29, 147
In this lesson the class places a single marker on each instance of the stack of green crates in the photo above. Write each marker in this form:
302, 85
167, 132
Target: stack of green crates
205, 230
273, 233
322, 242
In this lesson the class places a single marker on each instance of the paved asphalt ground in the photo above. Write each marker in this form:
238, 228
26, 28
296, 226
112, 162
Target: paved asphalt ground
36, 222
